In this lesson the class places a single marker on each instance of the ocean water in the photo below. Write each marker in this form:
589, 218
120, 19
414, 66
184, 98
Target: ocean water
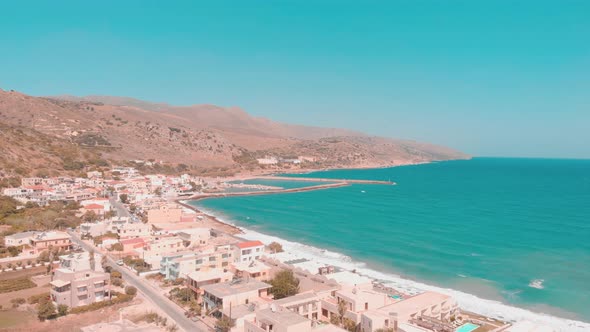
515, 232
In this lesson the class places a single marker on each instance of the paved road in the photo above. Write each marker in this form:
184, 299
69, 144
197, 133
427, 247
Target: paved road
119, 207
165, 304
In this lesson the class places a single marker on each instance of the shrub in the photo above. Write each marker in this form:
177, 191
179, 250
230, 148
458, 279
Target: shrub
275, 247
117, 282
284, 284
120, 298
224, 324
62, 310
35, 299
130, 290
46, 310
17, 302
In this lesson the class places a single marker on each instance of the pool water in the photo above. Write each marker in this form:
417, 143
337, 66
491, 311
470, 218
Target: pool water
467, 327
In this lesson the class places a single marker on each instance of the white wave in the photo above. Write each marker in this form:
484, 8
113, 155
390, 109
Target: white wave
537, 283
490, 308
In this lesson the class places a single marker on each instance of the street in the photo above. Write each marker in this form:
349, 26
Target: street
165, 304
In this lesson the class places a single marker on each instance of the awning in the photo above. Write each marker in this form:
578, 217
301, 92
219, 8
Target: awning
59, 283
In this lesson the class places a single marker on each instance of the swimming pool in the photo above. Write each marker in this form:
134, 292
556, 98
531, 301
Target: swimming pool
468, 327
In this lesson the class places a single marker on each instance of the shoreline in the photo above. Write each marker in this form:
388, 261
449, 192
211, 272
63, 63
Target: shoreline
468, 302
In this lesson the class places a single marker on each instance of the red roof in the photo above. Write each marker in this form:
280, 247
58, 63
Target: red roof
249, 244
94, 207
132, 241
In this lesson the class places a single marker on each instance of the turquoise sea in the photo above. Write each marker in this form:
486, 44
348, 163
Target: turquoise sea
510, 230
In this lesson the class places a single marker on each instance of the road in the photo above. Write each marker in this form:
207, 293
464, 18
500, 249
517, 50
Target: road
119, 207
165, 304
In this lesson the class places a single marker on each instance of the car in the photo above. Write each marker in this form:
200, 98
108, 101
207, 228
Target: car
120, 262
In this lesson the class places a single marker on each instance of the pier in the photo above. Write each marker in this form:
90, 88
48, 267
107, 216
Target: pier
332, 183
288, 178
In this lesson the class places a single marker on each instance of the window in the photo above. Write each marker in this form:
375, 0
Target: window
246, 252
366, 306
212, 259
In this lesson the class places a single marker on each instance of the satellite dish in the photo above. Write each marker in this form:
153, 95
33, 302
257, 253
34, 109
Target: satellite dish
273, 307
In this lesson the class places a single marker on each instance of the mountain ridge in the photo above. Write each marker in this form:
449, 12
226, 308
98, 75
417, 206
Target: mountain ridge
197, 137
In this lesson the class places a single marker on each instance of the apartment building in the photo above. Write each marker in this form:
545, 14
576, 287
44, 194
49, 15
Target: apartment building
78, 281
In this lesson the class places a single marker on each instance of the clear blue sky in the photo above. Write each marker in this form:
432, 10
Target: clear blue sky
492, 78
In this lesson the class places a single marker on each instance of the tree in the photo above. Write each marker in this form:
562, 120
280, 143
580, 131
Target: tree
110, 214
275, 247
62, 310
117, 247
91, 259
224, 324
341, 311
14, 251
284, 284
124, 198
130, 290
90, 216
46, 309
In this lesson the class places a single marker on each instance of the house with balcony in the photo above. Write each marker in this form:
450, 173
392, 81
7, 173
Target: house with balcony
79, 281
251, 270
177, 265
249, 250
233, 293
277, 320
42, 241
308, 305
428, 305
197, 279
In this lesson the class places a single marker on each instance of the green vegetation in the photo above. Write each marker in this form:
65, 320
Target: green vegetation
124, 198
119, 298
137, 263
35, 299
56, 215
62, 310
224, 324
275, 247
130, 290
46, 309
17, 302
15, 284
284, 284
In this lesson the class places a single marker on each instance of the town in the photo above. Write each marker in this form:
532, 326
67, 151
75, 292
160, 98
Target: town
129, 246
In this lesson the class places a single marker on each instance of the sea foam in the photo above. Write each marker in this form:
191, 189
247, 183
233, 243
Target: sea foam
466, 301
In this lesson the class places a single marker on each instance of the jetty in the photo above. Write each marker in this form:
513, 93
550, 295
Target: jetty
288, 178
329, 183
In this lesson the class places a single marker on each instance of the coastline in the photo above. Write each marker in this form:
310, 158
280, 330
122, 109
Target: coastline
469, 302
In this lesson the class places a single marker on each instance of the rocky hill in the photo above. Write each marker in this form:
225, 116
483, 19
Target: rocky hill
70, 134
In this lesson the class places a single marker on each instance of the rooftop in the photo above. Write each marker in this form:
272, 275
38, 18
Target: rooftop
296, 299
199, 276
235, 287
282, 317
249, 244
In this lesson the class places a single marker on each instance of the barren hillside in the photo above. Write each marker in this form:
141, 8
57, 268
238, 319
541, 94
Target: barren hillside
197, 138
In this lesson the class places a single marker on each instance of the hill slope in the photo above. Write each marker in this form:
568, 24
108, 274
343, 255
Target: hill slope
198, 137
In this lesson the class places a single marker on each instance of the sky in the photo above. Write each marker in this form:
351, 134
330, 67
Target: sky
490, 78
